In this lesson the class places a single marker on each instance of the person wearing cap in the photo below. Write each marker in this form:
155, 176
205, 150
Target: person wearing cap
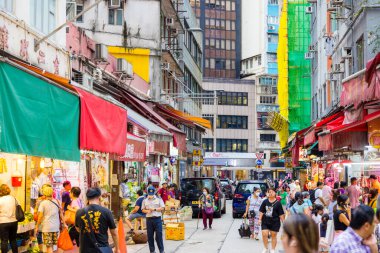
163, 193
93, 223
153, 206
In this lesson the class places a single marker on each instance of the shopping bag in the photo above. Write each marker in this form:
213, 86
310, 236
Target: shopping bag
69, 217
64, 240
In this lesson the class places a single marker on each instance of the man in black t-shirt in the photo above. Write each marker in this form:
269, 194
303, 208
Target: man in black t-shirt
101, 219
271, 215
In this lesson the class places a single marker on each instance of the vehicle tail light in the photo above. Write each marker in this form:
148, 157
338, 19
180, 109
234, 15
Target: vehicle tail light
216, 195
238, 196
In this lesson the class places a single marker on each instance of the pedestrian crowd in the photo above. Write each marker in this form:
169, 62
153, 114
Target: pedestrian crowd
322, 217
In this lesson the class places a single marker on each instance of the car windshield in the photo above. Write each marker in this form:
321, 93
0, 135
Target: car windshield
223, 183
191, 184
245, 188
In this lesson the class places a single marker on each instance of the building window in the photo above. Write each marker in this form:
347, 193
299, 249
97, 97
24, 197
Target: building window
232, 98
43, 15
360, 54
267, 99
6, 5
232, 122
115, 16
209, 117
267, 137
272, 38
208, 144
262, 118
273, 20
79, 10
272, 57
220, 64
268, 81
232, 145
275, 2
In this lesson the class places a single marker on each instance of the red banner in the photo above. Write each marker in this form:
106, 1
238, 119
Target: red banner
325, 142
103, 125
309, 138
135, 150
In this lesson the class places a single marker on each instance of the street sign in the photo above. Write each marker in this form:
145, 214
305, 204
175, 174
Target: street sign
259, 156
288, 162
197, 152
259, 162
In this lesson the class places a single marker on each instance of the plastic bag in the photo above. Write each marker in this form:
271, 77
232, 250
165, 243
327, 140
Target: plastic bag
64, 240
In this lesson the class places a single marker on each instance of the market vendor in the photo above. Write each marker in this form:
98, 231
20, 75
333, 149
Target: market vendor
163, 193
137, 211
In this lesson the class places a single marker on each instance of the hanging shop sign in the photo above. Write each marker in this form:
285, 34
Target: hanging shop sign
47, 56
103, 125
135, 150
37, 118
288, 162
374, 139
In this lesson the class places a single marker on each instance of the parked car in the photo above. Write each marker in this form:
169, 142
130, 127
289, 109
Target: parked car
191, 191
227, 188
243, 190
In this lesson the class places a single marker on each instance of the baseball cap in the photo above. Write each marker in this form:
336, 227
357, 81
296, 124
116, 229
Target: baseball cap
151, 190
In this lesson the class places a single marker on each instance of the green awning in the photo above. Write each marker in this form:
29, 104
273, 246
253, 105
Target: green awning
37, 118
312, 147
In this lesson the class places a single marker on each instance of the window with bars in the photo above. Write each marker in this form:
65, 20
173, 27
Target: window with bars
267, 99
232, 145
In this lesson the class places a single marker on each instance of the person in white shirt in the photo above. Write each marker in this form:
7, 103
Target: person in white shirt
298, 186
319, 200
8, 221
327, 193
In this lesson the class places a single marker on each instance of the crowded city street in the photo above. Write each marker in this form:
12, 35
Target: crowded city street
190, 126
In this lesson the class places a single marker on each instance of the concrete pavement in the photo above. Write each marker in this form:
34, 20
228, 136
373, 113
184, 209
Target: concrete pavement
223, 238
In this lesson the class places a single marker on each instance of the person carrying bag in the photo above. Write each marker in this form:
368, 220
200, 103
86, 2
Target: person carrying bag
93, 223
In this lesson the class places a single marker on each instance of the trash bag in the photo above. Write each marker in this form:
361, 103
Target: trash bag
64, 240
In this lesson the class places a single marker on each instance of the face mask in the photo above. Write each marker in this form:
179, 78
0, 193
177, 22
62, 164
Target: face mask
257, 194
204, 193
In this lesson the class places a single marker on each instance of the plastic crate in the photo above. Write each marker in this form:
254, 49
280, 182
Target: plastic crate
175, 231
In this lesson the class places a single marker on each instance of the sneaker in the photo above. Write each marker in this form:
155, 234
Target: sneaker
204, 228
210, 227
265, 251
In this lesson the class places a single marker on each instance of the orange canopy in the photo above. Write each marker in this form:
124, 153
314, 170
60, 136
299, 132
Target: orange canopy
197, 120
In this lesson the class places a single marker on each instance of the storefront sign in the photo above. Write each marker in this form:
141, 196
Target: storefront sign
288, 162
374, 139
135, 150
19, 40
223, 155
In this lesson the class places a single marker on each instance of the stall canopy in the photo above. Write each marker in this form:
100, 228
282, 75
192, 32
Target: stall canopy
37, 117
155, 132
166, 112
103, 125
196, 120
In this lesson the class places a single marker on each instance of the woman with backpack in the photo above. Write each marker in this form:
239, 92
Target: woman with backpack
252, 211
271, 215
8, 221
207, 206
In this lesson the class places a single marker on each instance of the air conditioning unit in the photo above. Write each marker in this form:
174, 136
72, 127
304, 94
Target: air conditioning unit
346, 52
330, 76
122, 65
309, 55
338, 68
114, 3
98, 74
166, 66
309, 9
331, 7
271, 27
88, 81
312, 1
337, 2
169, 21
101, 52
312, 48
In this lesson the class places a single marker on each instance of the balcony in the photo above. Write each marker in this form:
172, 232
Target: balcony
170, 9
172, 54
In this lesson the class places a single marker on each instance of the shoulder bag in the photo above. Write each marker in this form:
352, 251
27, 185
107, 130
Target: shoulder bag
20, 215
101, 249
59, 215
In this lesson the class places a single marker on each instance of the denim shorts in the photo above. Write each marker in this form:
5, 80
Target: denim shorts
135, 216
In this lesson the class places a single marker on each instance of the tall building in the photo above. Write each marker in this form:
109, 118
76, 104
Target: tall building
221, 22
260, 23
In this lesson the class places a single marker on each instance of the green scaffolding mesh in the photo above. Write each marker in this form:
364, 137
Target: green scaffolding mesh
299, 68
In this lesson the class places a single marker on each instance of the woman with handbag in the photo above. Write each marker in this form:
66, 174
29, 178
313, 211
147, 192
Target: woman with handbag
49, 219
207, 206
75, 204
252, 211
8, 221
